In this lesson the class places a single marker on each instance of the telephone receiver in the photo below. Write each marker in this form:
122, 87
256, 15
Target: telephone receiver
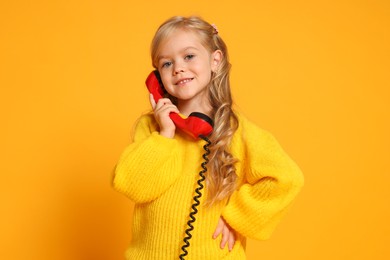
195, 125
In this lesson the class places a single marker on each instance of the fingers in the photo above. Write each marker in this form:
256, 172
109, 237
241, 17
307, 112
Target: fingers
231, 241
162, 110
164, 107
161, 103
225, 236
228, 236
219, 228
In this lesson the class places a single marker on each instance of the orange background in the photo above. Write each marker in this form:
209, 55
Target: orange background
314, 73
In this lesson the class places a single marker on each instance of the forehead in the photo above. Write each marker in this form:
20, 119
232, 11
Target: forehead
180, 40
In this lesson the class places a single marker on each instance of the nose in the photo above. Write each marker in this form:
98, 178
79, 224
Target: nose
178, 68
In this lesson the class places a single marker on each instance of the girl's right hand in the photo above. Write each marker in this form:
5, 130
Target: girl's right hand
162, 110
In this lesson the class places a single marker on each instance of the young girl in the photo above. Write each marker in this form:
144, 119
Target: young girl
250, 180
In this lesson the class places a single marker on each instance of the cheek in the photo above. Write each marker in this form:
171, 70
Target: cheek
165, 78
203, 69
206, 71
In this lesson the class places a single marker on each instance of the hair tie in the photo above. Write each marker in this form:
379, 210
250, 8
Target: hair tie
215, 28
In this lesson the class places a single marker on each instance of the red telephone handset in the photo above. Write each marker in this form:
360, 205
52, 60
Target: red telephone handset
195, 125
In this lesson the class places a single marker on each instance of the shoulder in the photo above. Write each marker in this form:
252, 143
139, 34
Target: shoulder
249, 131
250, 140
146, 119
145, 125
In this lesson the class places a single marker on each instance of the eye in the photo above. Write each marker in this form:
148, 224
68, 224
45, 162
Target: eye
189, 56
166, 64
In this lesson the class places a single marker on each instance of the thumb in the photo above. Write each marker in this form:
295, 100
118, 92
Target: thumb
152, 102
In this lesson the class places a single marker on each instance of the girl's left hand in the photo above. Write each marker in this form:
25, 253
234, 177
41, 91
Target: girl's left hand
228, 234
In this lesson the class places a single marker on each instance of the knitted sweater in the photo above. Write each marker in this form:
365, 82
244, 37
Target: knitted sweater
159, 174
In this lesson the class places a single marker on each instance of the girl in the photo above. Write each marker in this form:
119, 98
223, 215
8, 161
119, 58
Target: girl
250, 180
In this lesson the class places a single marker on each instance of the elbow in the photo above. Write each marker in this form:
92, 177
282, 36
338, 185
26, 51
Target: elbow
290, 183
118, 180
295, 182
299, 179
112, 177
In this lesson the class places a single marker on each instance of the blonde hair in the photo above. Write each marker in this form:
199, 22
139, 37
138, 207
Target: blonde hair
221, 175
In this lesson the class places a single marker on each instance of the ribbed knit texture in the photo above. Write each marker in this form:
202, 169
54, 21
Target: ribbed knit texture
159, 174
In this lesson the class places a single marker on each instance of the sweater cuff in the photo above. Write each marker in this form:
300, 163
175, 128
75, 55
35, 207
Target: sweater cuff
250, 215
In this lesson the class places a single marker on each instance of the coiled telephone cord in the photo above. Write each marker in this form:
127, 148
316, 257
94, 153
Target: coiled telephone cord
196, 199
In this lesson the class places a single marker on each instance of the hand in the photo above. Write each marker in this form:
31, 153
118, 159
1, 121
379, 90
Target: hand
228, 234
162, 110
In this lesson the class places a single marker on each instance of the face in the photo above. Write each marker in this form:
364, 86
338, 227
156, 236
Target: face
185, 66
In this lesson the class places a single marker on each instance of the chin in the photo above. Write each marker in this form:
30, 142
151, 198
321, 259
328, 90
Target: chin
185, 96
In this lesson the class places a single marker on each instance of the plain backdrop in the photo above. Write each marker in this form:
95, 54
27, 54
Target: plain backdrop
313, 73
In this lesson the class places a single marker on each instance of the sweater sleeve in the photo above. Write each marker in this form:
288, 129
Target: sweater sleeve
148, 166
271, 180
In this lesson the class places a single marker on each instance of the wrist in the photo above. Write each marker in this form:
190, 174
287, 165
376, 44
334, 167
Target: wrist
167, 133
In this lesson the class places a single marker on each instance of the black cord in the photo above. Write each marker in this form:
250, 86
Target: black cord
196, 199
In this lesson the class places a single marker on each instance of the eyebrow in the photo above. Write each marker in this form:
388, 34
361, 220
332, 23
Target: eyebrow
160, 57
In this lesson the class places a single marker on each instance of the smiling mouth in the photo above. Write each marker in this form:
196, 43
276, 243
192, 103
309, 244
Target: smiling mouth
184, 81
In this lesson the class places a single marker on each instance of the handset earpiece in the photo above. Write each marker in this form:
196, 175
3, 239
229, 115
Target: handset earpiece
196, 124
155, 86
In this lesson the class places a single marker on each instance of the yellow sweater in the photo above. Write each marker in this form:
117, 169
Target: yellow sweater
159, 174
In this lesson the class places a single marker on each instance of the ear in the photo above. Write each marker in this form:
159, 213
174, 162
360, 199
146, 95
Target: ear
216, 58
